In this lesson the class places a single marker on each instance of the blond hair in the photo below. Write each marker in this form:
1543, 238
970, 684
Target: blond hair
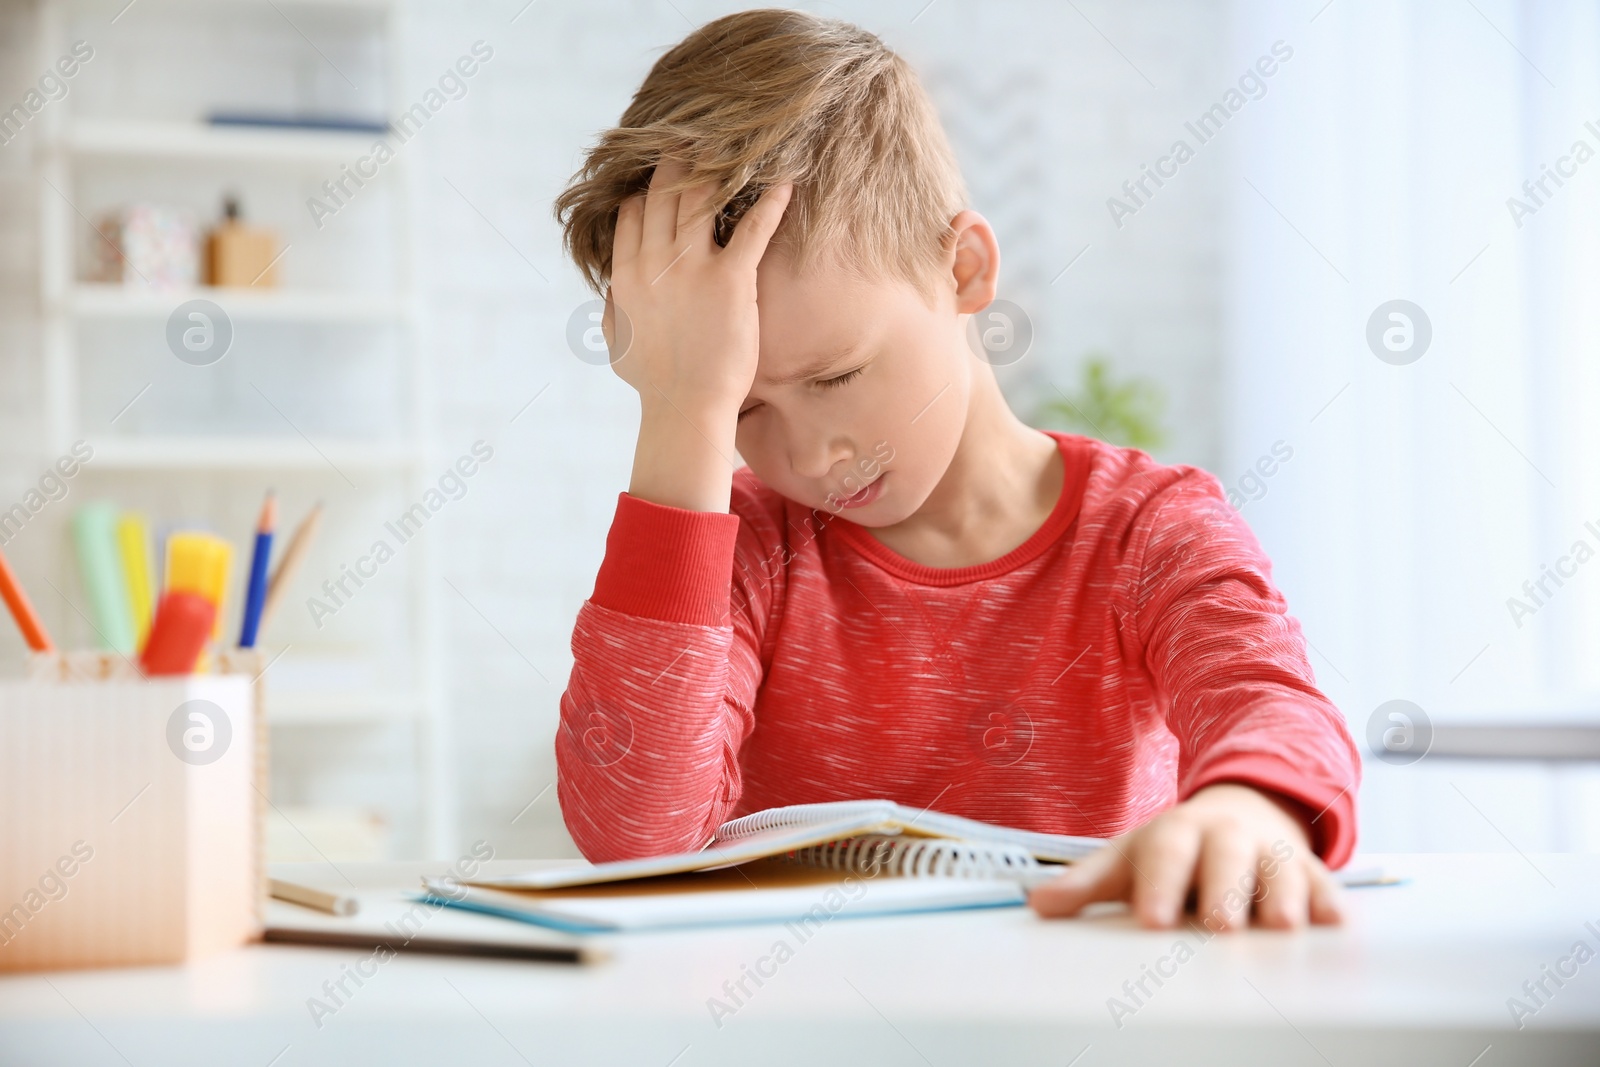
769, 96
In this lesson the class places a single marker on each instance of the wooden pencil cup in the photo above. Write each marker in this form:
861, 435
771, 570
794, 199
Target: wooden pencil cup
132, 828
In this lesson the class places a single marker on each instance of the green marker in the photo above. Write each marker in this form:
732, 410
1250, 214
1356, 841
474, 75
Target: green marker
94, 530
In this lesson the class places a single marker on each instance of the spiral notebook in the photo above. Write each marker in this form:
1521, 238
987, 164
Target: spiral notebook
771, 866
814, 833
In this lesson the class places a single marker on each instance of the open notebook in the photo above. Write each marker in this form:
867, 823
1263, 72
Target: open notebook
785, 864
866, 837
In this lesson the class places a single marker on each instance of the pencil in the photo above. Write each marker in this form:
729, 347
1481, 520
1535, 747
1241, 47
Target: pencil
27, 619
256, 594
306, 896
439, 946
293, 556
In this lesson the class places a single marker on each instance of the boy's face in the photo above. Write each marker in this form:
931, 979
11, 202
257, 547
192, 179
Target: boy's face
861, 390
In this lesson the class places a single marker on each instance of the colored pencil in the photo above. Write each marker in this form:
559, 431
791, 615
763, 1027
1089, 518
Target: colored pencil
16, 599
256, 594
293, 556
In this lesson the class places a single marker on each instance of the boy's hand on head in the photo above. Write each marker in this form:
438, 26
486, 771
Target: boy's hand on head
691, 305
1232, 845
689, 329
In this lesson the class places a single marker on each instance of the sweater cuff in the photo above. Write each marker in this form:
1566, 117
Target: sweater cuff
667, 563
1332, 813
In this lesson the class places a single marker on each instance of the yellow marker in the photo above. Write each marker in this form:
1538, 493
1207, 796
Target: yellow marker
133, 544
199, 563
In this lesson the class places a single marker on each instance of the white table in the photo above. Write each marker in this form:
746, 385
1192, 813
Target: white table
1419, 975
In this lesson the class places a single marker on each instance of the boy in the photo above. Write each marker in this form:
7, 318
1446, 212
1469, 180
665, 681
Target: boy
907, 593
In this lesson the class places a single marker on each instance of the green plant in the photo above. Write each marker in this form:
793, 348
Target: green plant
1126, 412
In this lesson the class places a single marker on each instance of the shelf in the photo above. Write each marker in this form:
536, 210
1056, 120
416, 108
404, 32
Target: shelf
374, 6
125, 139
103, 301
382, 441
244, 453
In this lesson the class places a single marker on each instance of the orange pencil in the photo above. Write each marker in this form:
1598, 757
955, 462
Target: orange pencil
27, 619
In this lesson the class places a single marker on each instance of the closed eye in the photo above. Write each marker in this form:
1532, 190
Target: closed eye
843, 379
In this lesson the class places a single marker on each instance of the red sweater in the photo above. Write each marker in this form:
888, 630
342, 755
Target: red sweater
1129, 653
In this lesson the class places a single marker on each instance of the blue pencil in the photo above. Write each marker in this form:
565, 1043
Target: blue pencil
256, 595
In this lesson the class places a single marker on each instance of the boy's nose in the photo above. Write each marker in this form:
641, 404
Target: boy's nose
816, 455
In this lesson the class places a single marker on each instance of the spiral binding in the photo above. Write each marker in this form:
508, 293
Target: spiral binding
872, 855
788, 818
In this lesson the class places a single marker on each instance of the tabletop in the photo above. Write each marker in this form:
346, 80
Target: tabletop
1474, 962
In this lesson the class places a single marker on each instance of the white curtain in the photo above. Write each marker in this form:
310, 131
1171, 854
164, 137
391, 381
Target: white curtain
1421, 496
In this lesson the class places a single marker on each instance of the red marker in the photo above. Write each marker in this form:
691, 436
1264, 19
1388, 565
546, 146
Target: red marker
179, 634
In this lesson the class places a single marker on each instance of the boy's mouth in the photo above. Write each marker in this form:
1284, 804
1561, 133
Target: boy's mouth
866, 494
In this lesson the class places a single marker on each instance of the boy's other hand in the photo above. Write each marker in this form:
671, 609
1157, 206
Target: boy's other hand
690, 305
1233, 846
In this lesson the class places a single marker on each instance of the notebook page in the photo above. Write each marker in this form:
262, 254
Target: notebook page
748, 847
1059, 848
779, 830
798, 815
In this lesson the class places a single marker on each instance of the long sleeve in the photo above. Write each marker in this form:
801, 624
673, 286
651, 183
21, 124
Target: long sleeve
666, 667
1229, 664
778, 655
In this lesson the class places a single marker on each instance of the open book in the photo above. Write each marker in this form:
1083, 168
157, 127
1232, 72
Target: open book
868, 837
799, 864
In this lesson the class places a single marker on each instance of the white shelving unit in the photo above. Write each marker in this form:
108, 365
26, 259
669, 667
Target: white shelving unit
231, 453
143, 139
72, 146
93, 301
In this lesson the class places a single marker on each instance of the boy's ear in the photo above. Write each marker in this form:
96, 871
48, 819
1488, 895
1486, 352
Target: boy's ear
975, 264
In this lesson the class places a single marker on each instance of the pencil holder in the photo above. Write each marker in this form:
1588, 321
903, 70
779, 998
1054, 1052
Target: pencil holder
132, 828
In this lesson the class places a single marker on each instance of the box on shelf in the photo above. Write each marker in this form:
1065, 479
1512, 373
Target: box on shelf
239, 253
134, 811
144, 244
